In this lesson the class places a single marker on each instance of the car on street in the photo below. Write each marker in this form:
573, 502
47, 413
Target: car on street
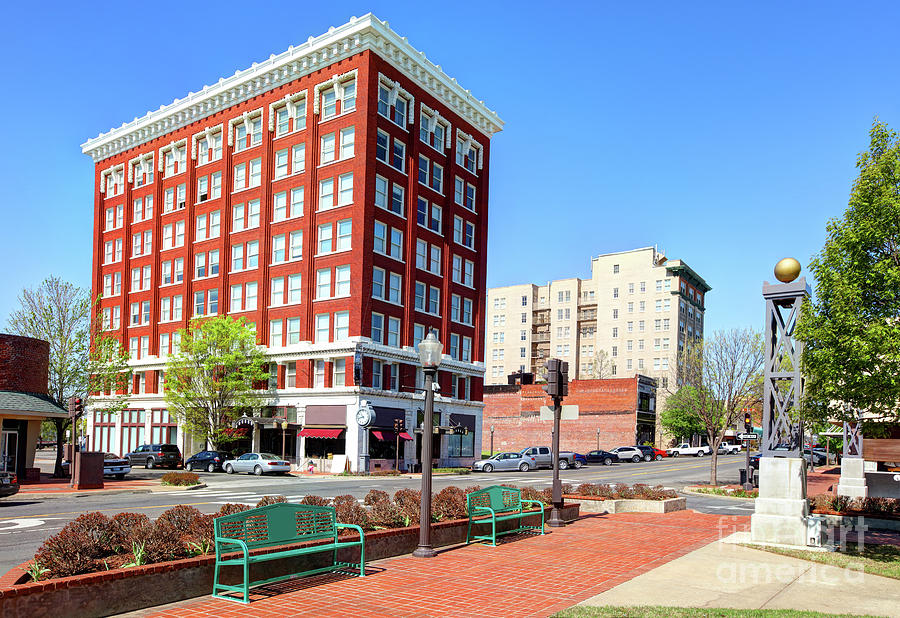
113, 465
153, 455
506, 461
602, 457
257, 463
727, 448
628, 453
207, 460
754, 461
651, 453
686, 449
9, 484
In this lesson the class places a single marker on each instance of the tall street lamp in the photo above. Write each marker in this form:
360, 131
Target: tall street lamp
430, 350
492, 440
598, 438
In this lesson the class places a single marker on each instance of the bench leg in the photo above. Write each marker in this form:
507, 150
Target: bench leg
494, 531
362, 559
469, 531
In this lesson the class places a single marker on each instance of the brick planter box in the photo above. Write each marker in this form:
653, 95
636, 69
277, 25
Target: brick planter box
122, 590
591, 504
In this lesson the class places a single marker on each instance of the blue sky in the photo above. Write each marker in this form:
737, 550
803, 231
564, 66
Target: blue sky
726, 135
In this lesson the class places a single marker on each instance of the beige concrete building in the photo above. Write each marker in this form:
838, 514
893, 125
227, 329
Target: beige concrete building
632, 316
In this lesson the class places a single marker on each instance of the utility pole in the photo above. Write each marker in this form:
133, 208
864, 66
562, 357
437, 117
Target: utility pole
557, 387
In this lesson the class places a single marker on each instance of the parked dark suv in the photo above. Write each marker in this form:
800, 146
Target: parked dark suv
152, 455
206, 460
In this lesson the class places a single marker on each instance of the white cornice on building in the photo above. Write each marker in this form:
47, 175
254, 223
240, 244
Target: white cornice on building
357, 35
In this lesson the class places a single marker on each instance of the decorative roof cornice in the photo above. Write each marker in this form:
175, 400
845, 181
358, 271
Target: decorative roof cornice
357, 35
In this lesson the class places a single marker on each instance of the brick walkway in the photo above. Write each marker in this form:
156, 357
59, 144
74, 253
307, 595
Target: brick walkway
523, 576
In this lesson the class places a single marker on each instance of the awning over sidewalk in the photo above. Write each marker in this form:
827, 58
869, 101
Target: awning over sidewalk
382, 434
310, 432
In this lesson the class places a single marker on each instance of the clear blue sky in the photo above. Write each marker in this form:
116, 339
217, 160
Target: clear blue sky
726, 135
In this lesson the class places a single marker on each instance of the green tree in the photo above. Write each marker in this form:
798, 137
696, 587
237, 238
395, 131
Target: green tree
209, 382
724, 371
679, 418
851, 329
59, 312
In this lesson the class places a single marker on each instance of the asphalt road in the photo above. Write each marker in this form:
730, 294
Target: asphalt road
25, 522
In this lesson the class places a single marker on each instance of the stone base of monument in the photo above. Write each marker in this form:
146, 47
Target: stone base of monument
781, 508
853, 478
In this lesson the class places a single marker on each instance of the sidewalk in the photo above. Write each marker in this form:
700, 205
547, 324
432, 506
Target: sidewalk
526, 575
48, 487
726, 575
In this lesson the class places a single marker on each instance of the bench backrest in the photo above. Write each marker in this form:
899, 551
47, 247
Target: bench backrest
278, 524
497, 497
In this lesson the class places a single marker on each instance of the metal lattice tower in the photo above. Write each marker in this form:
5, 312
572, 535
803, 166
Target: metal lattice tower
783, 386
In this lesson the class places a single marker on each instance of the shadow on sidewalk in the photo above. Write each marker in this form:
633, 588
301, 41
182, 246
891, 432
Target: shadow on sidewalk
301, 583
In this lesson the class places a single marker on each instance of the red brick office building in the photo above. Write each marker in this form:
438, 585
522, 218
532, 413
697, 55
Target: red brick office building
335, 196
612, 412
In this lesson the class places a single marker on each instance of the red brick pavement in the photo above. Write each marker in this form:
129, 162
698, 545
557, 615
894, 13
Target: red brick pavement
525, 575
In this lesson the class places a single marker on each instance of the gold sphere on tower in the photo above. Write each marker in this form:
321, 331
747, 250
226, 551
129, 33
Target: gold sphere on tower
787, 269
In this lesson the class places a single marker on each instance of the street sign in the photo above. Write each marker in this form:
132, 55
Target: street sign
569, 413
748, 436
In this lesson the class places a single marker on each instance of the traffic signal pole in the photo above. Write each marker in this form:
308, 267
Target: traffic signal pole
748, 427
555, 520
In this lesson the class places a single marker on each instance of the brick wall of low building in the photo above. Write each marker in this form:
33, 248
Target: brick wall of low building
607, 405
24, 364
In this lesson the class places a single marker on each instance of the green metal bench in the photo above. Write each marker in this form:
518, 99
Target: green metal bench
499, 503
277, 525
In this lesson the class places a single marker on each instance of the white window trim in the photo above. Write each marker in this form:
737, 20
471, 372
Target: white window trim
207, 133
464, 139
289, 101
436, 118
145, 161
397, 90
110, 171
244, 118
337, 82
174, 147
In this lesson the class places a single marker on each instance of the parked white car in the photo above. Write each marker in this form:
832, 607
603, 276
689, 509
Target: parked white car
628, 453
686, 449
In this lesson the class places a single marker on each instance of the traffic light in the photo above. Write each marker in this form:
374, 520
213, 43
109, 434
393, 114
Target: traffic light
552, 386
748, 420
398, 425
564, 379
76, 406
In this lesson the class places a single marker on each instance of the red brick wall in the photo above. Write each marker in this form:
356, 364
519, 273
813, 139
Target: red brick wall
608, 405
24, 364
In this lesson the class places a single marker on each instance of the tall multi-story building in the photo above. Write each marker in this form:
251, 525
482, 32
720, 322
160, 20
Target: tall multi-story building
335, 196
631, 317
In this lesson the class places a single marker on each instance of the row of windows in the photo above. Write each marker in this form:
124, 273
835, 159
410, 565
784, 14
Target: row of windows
658, 325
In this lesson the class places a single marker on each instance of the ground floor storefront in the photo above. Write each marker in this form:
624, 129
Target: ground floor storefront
355, 430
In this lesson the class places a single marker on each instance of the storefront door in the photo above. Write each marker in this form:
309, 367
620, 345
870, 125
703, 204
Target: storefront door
9, 446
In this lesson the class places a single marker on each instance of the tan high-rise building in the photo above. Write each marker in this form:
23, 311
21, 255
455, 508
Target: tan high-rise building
631, 317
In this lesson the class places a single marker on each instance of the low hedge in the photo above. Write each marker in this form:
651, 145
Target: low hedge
829, 503
180, 478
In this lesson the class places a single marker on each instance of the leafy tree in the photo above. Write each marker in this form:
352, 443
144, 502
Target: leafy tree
209, 382
679, 418
59, 312
724, 371
851, 357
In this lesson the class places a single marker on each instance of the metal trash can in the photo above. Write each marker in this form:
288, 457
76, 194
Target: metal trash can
743, 472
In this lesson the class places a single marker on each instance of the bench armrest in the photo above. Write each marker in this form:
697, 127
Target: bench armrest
228, 541
350, 527
482, 508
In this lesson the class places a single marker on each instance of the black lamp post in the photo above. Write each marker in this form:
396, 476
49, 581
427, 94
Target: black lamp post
430, 350
598, 438
492, 440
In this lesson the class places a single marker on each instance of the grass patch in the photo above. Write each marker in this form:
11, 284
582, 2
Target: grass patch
881, 560
688, 612
722, 491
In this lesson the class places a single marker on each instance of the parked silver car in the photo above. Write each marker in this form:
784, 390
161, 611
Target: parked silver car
257, 463
506, 461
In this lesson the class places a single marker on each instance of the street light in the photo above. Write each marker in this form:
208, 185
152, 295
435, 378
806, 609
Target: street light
430, 350
284, 426
492, 440
598, 438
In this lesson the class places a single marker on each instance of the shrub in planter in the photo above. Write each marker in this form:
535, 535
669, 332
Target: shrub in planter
605, 491
530, 493
449, 503
408, 501
266, 500
383, 513
73, 549
231, 509
181, 518
126, 529
180, 478
163, 543
200, 535
347, 510
586, 489
315, 501
623, 491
